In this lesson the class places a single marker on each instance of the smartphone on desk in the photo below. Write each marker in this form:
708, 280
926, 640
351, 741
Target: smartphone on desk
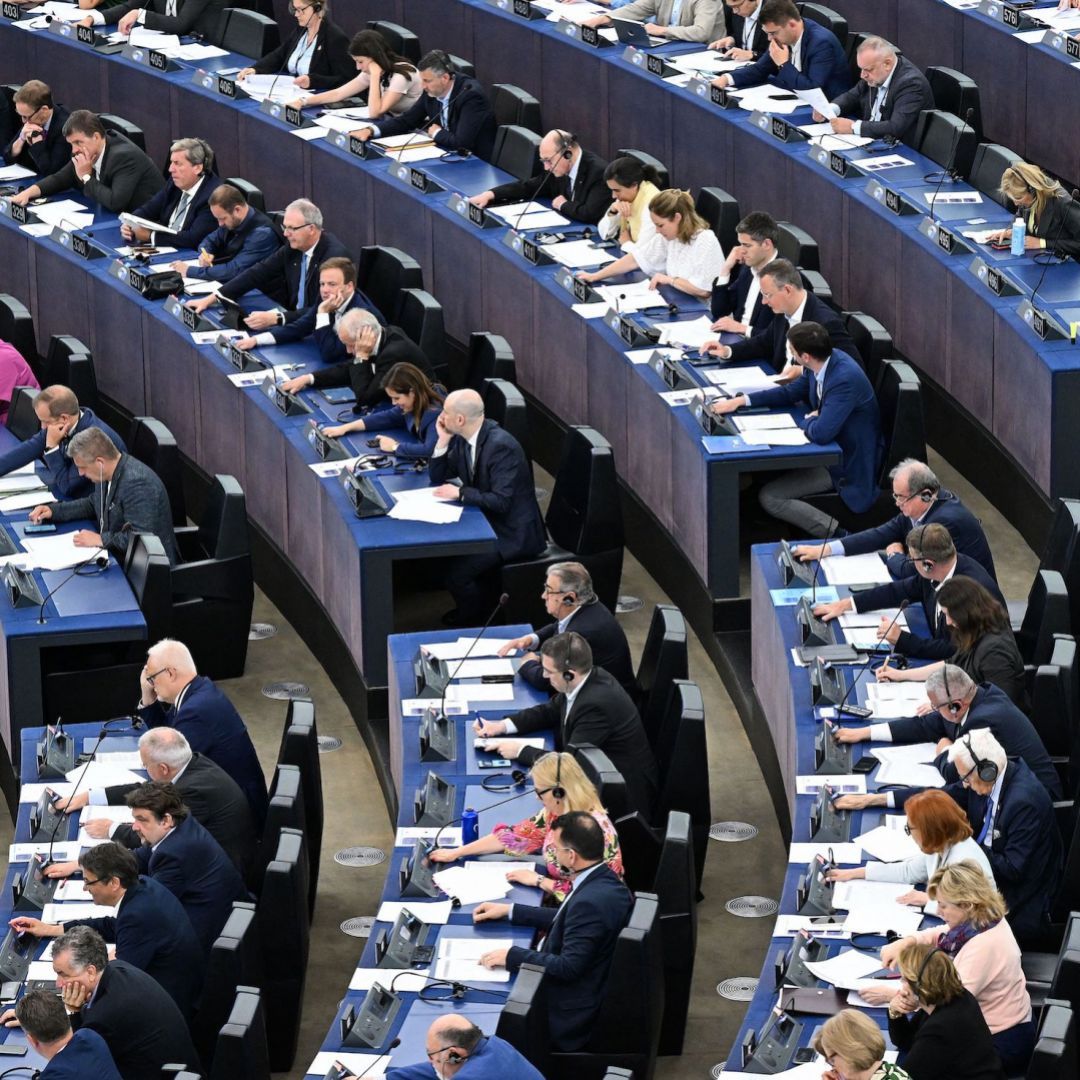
42, 527
493, 763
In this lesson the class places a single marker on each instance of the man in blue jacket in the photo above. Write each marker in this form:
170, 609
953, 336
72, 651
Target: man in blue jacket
842, 408
457, 1047
61, 419
803, 55
72, 1055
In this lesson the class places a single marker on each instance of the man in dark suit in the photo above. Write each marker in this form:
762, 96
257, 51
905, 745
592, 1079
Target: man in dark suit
290, 277
589, 708
140, 1023
745, 38
802, 55
181, 855
71, 1055
150, 929
920, 500
174, 694
494, 475
178, 17
453, 110
572, 603
782, 289
372, 350
886, 101
571, 177
936, 560
842, 408
108, 168
183, 205
576, 954
130, 498
39, 144
737, 306
61, 419
455, 1044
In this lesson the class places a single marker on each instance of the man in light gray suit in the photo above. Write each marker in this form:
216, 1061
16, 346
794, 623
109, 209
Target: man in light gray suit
679, 20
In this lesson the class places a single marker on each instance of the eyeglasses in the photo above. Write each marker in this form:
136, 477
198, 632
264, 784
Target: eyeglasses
150, 678
296, 228
907, 830
295, 9
541, 792
552, 592
967, 776
436, 1053
88, 884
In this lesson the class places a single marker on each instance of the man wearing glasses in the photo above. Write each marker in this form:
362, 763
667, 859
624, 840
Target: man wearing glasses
746, 38
290, 277
40, 144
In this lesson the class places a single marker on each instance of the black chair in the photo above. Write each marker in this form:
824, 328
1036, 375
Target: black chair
639, 845
1055, 1054
990, 161
797, 246
663, 660
945, 139
490, 357
1051, 975
402, 40
721, 211
300, 747
1045, 616
831, 20
420, 315
252, 193
647, 159
1067, 898
77, 373
381, 275
235, 960
242, 1052
286, 940
61, 347
956, 93
248, 33
814, 281
852, 46
130, 131
463, 66
584, 522
512, 105
23, 420
1062, 552
213, 589
154, 445
517, 151
607, 780
17, 329
873, 341
505, 404
1054, 700
285, 810
523, 1019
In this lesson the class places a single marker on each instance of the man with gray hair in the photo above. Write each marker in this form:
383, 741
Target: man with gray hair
476, 463
373, 350
129, 498
182, 205
920, 500
290, 277
886, 101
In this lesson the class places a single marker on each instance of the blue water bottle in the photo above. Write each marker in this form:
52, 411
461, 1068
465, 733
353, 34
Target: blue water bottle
1019, 230
470, 826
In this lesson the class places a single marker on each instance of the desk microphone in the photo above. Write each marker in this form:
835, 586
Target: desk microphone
949, 174
834, 524
1051, 253
288, 51
503, 601
840, 709
529, 201
101, 560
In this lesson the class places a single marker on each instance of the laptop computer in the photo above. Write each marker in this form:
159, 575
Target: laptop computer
633, 33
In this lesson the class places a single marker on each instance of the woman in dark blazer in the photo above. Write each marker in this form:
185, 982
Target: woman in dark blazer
985, 644
1052, 217
936, 1024
317, 56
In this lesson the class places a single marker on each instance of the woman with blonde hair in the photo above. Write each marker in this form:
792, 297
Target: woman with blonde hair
688, 259
854, 1049
561, 786
1052, 216
986, 955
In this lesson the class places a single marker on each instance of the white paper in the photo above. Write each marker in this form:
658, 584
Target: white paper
909, 775
409, 980
259, 86
145, 38
99, 775
332, 468
789, 925
392, 142
546, 219
62, 851
832, 141
337, 122
857, 570
690, 333
65, 214
742, 380
765, 99
58, 913
851, 620
951, 198
21, 481
632, 296
407, 837
845, 968
782, 437
490, 744
816, 99
417, 153
196, 51
459, 959
119, 814
589, 311
310, 134
419, 706
432, 511
572, 12
26, 501
844, 854
851, 784
879, 918
887, 844
473, 882
879, 164
246, 379
765, 422
15, 172
433, 913
912, 754
57, 552
706, 61
677, 398
465, 646
483, 692
510, 212
30, 793
578, 253
146, 223
643, 356
910, 692
128, 759
855, 894
40, 971
38, 229
854, 999
358, 1064
72, 890
477, 669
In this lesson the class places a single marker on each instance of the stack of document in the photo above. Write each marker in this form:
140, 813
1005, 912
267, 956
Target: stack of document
1069, 19
706, 63
775, 429
633, 296
892, 700
56, 553
872, 907
15, 172
283, 88
913, 754
474, 882
119, 814
420, 504
577, 254
908, 774
458, 960
767, 99
357, 1064
746, 380
63, 12
467, 692
197, 51
575, 12
843, 854
846, 968
434, 913
143, 38
98, 774
525, 216
465, 646
478, 669
689, 333
65, 851
58, 913
64, 214
823, 135
405, 980
887, 843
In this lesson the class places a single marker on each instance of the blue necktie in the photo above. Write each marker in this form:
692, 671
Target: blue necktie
676, 11
986, 821
445, 114
301, 289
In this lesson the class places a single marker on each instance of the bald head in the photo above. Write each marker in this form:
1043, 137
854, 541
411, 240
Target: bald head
558, 151
451, 1041
463, 412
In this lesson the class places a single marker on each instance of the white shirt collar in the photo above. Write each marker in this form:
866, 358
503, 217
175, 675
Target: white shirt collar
180, 697
797, 317
194, 189
154, 847
564, 622
883, 89
572, 694
571, 176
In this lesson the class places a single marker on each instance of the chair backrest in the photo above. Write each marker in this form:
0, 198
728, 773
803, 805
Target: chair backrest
300, 747
512, 105
523, 1019
517, 151
873, 341
401, 39
640, 849
1055, 1054
945, 138
721, 210
490, 357
241, 1052
17, 329
852, 47
77, 373
223, 531
150, 576
248, 33
814, 281
154, 445
505, 404
463, 66
420, 315
1062, 551
285, 809
1054, 698
22, 420
664, 180
899, 397
1065, 985
131, 132
1046, 615
797, 246
956, 93
252, 193
831, 20
990, 161
607, 780
663, 659
382, 274
584, 515
61, 346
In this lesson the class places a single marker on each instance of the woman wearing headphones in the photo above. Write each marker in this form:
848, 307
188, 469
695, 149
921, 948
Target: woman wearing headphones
562, 787
986, 956
985, 644
1052, 216
391, 83
416, 403
317, 56
936, 1023
854, 1049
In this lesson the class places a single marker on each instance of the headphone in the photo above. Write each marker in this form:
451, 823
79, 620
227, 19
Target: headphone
926, 495
444, 59
558, 792
566, 672
985, 769
952, 705
496, 782
917, 984
567, 142
317, 6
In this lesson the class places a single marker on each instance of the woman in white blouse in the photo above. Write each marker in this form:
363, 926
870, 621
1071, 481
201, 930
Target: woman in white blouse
689, 259
392, 84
